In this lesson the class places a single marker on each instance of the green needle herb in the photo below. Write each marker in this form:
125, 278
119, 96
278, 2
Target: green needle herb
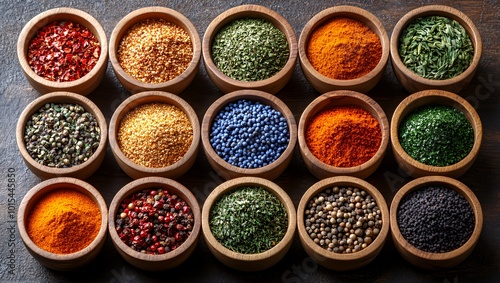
437, 135
248, 220
436, 48
250, 50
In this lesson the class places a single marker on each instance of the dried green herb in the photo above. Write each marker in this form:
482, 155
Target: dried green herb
437, 135
250, 50
436, 48
248, 220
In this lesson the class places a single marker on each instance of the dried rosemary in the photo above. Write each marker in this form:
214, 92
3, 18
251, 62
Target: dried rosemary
436, 48
248, 220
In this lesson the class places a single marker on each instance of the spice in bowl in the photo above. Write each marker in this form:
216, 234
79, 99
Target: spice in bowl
343, 219
155, 135
248, 220
436, 135
63, 221
249, 134
343, 136
154, 221
61, 135
344, 49
435, 219
436, 48
63, 51
155, 51
250, 49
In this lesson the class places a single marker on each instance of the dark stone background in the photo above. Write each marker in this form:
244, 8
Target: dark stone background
483, 178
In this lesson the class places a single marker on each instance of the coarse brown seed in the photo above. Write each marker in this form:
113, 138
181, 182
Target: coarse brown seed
155, 51
155, 134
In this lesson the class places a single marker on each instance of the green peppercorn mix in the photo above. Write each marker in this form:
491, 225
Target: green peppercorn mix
61, 135
437, 135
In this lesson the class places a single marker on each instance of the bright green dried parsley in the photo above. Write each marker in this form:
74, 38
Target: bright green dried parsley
436, 135
250, 50
436, 48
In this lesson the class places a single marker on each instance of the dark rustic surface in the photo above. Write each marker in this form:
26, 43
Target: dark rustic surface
483, 178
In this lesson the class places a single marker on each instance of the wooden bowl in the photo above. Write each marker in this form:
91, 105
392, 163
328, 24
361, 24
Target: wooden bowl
332, 260
430, 260
342, 98
227, 84
62, 262
249, 262
413, 82
82, 171
176, 85
417, 169
155, 262
323, 83
83, 85
229, 171
136, 171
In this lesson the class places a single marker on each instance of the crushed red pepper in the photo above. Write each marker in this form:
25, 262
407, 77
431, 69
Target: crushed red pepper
63, 51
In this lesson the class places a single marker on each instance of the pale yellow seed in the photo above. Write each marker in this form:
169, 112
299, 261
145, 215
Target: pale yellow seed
155, 135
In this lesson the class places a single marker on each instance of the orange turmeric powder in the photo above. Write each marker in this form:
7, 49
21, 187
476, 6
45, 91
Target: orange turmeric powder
64, 221
343, 136
344, 49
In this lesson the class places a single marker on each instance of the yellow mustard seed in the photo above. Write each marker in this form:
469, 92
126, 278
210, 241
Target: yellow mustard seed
155, 51
155, 134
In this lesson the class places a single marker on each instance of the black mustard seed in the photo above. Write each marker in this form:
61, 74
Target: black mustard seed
435, 219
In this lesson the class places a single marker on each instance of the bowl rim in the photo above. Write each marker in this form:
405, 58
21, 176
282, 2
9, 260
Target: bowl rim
438, 10
251, 95
346, 181
233, 184
358, 14
329, 99
448, 182
43, 188
61, 97
148, 183
147, 97
154, 12
56, 14
438, 97
248, 11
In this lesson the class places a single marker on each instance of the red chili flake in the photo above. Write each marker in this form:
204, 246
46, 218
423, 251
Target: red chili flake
63, 51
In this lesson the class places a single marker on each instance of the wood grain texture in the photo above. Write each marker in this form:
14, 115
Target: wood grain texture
483, 92
227, 84
85, 84
324, 84
176, 85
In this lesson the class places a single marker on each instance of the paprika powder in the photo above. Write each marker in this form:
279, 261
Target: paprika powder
344, 49
343, 136
64, 221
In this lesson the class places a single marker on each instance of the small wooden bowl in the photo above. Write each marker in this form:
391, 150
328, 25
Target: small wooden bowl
83, 85
62, 262
413, 82
136, 171
249, 262
158, 262
342, 98
323, 83
335, 261
228, 171
417, 169
82, 171
176, 85
435, 260
227, 84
